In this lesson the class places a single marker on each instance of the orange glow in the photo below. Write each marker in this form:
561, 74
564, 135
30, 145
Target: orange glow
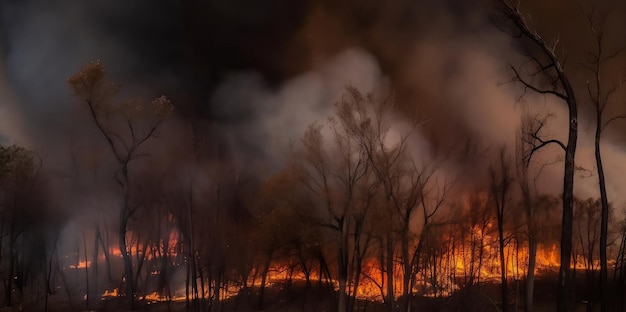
110, 294
81, 265
453, 261
475, 259
134, 249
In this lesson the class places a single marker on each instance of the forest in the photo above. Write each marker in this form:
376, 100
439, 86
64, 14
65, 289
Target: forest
482, 170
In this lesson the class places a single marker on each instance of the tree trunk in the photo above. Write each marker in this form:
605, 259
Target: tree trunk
503, 286
8, 287
565, 288
128, 262
604, 219
390, 277
407, 268
87, 294
266, 268
530, 277
342, 278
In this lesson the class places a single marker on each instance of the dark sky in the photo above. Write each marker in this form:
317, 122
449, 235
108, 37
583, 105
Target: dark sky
191, 45
186, 49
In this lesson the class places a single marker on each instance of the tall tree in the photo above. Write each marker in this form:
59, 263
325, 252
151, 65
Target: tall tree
501, 180
530, 200
18, 171
122, 127
336, 178
601, 95
405, 183
555, 82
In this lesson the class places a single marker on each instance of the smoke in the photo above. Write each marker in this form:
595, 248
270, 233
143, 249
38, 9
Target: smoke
262, 82
10, 120
262, 123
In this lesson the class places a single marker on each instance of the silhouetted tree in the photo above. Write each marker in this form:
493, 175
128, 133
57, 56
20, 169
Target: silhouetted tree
18, 173
501, 180
126, 128
553, 81
601, 94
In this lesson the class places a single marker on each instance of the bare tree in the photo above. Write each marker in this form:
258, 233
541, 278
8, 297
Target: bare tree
527, 178
522, 149
587, 215
338, 181
501, 181
601, 95
546, 76
121, 127
405, 184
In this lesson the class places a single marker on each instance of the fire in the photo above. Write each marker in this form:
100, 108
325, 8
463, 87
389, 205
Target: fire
474, 259
154, 297
152, 248
81, 265
110, 294
452, 262
549, 258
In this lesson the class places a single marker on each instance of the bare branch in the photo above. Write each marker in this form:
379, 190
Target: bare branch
530, 86
615, 118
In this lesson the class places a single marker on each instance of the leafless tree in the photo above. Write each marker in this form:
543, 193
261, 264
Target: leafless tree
587, 215
125, 133
340, 180
405, 184
501, 180
601, 95
545, 75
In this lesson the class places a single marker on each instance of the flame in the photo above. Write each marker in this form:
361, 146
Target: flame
110, 294
449, 265
154, 297
134, 249
80, 265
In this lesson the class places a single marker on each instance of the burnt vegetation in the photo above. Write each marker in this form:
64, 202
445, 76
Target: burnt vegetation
146, 211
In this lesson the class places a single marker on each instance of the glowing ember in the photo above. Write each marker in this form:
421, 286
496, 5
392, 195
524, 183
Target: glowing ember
110, 294
154, 297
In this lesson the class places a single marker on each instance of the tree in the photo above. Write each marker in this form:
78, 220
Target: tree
501, 181
522, 149
126, 128
587, 233
405, 185
18, 173
601, 95
344, 188
546, 64
531, 201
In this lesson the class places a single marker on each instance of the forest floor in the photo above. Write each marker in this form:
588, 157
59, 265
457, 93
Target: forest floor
299, 298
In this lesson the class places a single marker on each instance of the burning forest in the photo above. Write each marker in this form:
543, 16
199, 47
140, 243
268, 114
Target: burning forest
312, 156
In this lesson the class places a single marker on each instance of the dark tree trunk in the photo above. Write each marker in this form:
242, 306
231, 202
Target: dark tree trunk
390, 278
266, 268
503, 286
565, 288
604, 219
